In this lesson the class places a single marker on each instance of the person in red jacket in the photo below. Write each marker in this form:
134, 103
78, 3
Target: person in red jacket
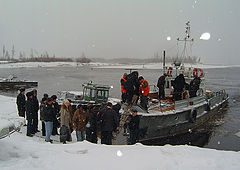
144, 91
123, 88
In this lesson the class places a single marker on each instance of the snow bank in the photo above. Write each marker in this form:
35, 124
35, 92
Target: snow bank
8, 113
102, 65
21, 152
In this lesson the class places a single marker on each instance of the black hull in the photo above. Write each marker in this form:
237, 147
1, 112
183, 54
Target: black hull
17, 85
167, 126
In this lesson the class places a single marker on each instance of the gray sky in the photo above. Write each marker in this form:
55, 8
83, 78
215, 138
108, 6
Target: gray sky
121, 28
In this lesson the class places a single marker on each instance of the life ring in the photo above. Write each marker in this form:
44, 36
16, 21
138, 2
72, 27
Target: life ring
201, 72
195, 72
169, 72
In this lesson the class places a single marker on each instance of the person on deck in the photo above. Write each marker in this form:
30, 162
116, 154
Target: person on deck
108, 123
35, 114
144, 91
29, 114
134, 126
179, 84
194, 86
80, 120
21, 101
131, 84
161, 86
123, 87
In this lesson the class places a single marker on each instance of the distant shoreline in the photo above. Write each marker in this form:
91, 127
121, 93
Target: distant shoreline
4, 64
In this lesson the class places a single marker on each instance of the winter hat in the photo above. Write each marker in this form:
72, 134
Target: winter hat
44, 99
49, 99
29, 94
45, 95
66, 101
54, 97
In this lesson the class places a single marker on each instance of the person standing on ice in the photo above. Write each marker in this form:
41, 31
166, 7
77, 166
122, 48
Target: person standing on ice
108, 123
42, 105
35, 114
21, 101
29, 113
66, 122
56, 114
48, 117
80, 120
134, 126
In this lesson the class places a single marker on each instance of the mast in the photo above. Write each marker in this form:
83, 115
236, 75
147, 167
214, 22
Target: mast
186, 39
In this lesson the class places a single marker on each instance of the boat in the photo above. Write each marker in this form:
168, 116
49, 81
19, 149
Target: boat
164, 118
12, 83
169, 118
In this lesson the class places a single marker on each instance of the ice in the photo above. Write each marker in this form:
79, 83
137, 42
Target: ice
21, 152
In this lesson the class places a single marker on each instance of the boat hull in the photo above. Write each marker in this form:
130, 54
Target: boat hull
164, 126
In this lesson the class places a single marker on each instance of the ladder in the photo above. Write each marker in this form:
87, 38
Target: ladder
124, 116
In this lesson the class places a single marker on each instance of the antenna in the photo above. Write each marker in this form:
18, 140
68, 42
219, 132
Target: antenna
186, 39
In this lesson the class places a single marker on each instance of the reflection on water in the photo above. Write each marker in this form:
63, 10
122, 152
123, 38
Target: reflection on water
218, 133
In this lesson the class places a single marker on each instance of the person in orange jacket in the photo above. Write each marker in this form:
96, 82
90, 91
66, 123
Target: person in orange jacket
123, 87
144, 91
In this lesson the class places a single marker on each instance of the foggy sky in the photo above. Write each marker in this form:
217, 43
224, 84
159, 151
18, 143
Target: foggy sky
120, 28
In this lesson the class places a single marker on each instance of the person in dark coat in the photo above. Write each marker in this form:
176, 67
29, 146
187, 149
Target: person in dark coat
21, 101
161, 86
29, 113
108, 123
42, 105
56, 109
132, 79
123, 87
194, 86
179, 84
134, 126
48, 117
35, 114
117, 108
91, 131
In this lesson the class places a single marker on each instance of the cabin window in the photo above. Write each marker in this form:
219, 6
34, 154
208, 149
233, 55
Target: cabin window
102, 95
90, 93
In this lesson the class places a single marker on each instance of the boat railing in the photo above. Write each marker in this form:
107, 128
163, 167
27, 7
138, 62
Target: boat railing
217, 97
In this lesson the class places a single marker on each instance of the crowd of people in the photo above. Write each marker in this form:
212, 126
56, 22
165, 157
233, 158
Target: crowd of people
133, 88
182, 90
86, 120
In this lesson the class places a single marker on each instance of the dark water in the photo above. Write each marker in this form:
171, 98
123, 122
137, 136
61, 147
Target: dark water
219, 133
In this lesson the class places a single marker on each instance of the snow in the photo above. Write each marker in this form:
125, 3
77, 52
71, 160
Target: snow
105, 65
8, 113
21, 152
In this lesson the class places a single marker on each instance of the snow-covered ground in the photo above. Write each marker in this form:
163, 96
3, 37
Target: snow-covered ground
21, 152
103, 65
